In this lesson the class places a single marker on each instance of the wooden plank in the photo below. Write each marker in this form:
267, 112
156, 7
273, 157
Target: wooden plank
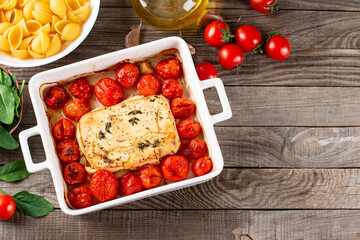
240, 189
266, 147
222, 225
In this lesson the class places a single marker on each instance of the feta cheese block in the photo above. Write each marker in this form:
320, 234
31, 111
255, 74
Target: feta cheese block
135, 132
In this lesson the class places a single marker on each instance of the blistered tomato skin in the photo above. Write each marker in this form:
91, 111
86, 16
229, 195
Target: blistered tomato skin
80, 197
56, 98
169, 68
63, 129
195, 148
130, 184
68, 151
104, 185
188, 129
7, 206
108, 92
202, 166
127, 75
149, 85
150, 176
175, 168
81, 89
75, 108
182, 108
75, 173
171, 89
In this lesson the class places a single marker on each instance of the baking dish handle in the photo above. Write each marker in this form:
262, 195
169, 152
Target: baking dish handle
218, 84
23, 137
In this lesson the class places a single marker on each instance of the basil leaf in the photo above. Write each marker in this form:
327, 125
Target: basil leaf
7, 105
32, 205
1, 78
7, 81
17, 100
14, 171
6, 140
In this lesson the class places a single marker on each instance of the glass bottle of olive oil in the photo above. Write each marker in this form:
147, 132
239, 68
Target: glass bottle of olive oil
169, 14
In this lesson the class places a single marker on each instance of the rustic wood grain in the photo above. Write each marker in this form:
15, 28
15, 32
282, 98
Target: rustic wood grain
240, 189
199, 225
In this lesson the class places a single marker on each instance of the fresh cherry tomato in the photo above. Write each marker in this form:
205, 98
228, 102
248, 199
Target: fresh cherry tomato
169, 68
171, 89
175, 168
7, 206
81, 89
217, 34
68, 151
206, 71
75, 173
230, 56
195, 148
188, 128
104, 185
127, 75
63, 129
264, 6
74, 109
182, 108
150, 176
130, 183
149, 85
278, 48
80, 197
202, 166
247, 37
108, 92
56, 98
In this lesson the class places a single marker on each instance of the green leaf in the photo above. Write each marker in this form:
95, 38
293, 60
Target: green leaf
14, 171
7, 105
32, 205
17, 101
6, 140
22, 87
1, 78
7, 81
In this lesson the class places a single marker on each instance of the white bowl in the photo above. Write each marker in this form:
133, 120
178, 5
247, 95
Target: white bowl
66, 48
192, 82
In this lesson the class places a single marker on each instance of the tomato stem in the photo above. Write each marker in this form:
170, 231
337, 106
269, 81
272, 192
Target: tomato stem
1, 191
227, 34
237, 68
273, 7
271, 35
258, 48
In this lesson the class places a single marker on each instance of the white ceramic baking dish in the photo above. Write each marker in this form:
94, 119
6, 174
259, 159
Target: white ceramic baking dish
194, 85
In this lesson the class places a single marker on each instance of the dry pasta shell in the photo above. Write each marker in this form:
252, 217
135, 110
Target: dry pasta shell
28, 9
55, 19
35, 55
22, 24
36, 45
84, 16
2, 17
15, 37
6, 33
82, 2
73, 4
45, 29
59, 27
21, 54
42, 17
10, 5
25, 43
33, 26
4, 44
72, 17
3, 3
43, 6
82, 9
55, 46
4, 26
45, 42
71, 31
22, 3
58, 7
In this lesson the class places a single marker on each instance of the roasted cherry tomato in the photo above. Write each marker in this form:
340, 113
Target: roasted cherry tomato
63, 129
108, 92
68, 151
202, 166
104, 185
206, 71
127, 75
56, 98
264, 6
278, 47
188, 128
248, 37
75, 173
171, 89
80, 197
230, 56
130, 183
81, 89
182, 108
149, 85
195, 148
74, 109
7, 206
217, 34
150, 176
169, 68
175, 168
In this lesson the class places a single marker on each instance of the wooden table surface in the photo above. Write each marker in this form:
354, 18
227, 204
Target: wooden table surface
291, 149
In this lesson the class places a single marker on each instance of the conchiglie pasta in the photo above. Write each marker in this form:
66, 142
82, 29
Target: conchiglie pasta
39, 28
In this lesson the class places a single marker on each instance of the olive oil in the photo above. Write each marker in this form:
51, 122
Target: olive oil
169, 14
